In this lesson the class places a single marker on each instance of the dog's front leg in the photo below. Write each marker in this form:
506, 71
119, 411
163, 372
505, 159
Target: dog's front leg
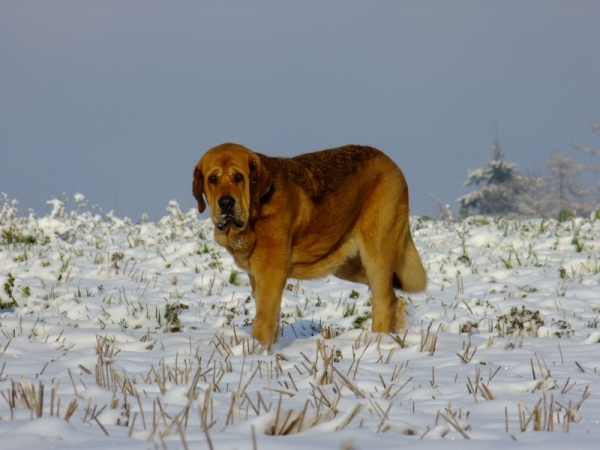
268, 290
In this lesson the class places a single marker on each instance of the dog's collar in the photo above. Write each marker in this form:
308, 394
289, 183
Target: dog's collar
268, 195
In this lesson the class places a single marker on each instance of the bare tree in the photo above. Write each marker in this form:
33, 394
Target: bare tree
589, 150
564, 191
592, 168
444, 210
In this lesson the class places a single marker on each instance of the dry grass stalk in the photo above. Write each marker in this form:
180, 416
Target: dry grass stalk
324, 376
472, 389
25, 395
350, 417
400, 388
468, 306
399, 371
513, 345
330, 333
350, 384
428, 340
425, 434
88, 409
389, 356
159, 379
356, 362
254, 443
230, 414
534, 415
486, 393
584, 397
192, 390
207, 406
549, 417
479, 387
454, 423
401, 341
293, 421
383, 415
97, 421
182, 436
72, 381
242, 387
176, 420
312, 367
532, 369
71, 407
492, 375
451, 418
465, 357
108, 378
203, 423
105, 348
219, 341
132, 425
562, 359
567, 388
260, 400
85, 369
280, 391
543, 415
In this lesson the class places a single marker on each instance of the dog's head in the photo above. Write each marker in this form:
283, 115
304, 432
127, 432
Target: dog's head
231, 177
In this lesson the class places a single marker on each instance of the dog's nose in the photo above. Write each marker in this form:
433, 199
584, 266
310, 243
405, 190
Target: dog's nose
226, 203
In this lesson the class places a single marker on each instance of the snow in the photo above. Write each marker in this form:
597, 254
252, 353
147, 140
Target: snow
139, 337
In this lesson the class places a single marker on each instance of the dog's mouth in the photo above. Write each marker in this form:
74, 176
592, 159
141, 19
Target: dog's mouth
226, 220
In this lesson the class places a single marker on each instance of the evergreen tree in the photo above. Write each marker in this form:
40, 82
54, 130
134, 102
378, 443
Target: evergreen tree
499, 187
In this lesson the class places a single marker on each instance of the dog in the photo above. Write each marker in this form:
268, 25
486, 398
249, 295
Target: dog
342, 211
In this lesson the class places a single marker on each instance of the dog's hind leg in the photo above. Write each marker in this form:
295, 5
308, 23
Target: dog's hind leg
378, 267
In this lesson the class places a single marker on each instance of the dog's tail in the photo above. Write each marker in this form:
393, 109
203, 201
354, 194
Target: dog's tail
410, 276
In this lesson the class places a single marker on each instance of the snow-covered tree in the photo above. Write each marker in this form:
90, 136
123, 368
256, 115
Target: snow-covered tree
502, 190
499, 186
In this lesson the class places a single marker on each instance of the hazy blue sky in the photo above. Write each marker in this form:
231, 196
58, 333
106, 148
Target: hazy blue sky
119, 99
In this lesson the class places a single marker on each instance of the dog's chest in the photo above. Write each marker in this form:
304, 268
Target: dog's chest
239, 243
240, 246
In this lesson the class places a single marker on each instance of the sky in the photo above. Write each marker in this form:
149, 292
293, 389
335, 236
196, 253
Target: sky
118, 100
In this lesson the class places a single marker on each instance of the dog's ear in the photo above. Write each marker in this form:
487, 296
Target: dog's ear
198, 189
260, 179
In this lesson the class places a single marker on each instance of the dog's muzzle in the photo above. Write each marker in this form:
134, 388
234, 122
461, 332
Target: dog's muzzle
227, 216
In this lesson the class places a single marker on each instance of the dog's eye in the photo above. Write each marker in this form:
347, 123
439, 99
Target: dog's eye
212, 179
238, 177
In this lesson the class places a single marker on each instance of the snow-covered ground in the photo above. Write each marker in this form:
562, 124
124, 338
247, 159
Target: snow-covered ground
122, 335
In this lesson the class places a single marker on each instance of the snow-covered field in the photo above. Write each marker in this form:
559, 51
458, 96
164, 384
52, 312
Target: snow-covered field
122, 335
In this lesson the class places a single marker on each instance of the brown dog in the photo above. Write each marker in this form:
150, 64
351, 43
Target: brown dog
342, 211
